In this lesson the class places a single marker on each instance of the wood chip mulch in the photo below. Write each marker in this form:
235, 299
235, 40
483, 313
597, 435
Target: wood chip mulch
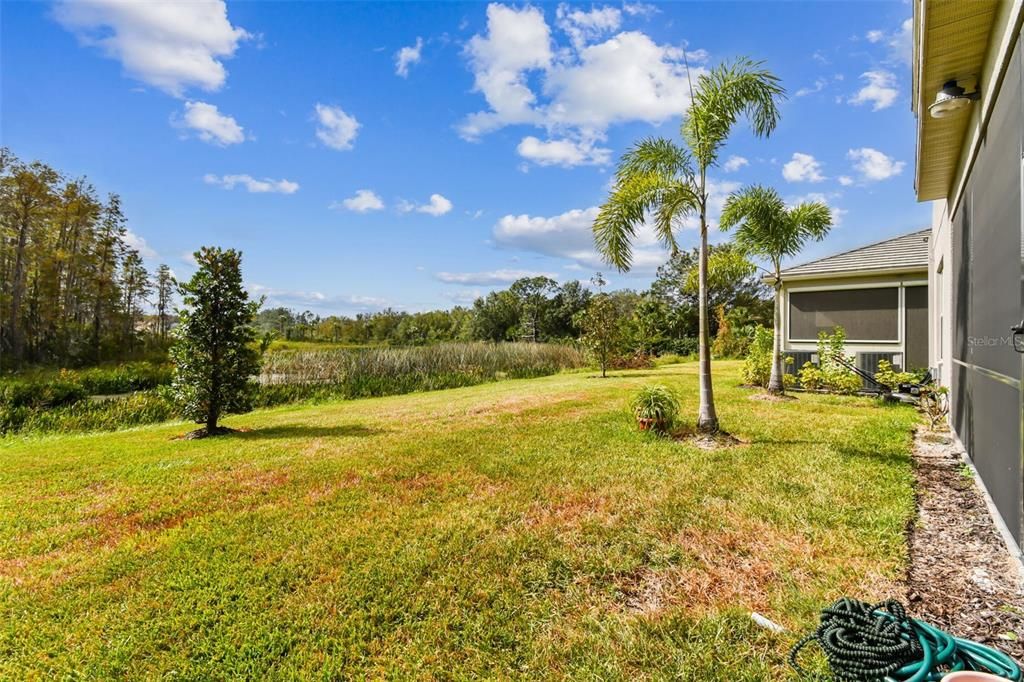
961, 577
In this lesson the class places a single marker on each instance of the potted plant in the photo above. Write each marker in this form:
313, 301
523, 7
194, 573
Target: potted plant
655, 408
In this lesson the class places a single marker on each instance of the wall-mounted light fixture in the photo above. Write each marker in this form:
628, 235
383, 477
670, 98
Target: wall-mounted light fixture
951, 100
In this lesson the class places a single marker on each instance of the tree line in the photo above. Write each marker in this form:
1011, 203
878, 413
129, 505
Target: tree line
73, 290
661, 318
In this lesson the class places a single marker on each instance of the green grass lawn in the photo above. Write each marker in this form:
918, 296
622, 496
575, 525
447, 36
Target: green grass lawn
521, 529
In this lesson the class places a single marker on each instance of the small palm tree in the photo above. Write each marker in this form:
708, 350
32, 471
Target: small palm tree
659, 177
768, 228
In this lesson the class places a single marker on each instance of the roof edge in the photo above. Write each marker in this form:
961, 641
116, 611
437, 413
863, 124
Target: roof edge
925, 231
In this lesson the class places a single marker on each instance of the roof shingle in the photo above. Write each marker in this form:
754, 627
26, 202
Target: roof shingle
899, 254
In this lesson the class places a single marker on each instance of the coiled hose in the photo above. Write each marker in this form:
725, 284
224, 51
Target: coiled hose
881, 642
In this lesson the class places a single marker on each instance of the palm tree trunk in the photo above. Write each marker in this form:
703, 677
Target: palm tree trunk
775, 384
707, 419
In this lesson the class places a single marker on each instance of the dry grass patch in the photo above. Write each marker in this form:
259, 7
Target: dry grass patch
521, 529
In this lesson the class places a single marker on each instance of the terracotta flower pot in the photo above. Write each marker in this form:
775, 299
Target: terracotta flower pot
646, 424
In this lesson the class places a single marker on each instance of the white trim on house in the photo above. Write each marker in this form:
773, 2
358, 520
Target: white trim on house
848, 274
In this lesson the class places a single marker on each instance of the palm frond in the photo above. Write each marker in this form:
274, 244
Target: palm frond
654, 155
678, 200
812, 220
723, 95
623, 213
766, 227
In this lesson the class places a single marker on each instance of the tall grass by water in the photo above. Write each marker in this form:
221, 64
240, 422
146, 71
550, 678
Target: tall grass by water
67, 403
367, 372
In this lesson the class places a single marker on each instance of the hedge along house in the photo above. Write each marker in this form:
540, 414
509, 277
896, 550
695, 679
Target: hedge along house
967, 96
877, 293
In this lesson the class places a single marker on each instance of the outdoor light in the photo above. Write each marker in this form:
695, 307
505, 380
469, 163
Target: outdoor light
951, 100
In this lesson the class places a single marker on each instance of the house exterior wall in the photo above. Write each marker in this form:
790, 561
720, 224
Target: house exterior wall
975, 273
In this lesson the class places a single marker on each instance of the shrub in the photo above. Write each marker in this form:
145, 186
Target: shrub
44, 388
757, 368
686, 346
832, 350
144, 407
634, 361
934, 404
40, 394
887, 376
655, 406
734, 335
125, 378
811, 377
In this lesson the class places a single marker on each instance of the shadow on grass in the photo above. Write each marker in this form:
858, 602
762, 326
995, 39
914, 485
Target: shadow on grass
305, 431
847, 450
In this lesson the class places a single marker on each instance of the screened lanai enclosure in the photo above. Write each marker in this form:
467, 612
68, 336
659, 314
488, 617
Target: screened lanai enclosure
877, 293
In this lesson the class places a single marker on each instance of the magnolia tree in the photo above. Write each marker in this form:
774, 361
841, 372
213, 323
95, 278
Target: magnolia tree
213, 354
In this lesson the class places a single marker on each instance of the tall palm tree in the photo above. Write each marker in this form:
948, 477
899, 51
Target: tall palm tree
659, 177
767, 228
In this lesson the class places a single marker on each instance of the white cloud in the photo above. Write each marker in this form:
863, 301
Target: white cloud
845, 180
516, 41
256, 186
335, 128
527, 78
363, 201
650, 84
491, 277
640, 9
564, 152
463, 297
734, 163
874, 165
169, 45
437, 206
837, 213
802, 168
211, 125
818, 86
901, 43
138, 243
584, 27
316, 299
408, 56
880, 90
570, 235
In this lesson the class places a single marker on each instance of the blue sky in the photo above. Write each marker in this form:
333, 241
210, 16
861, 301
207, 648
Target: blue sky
416, 155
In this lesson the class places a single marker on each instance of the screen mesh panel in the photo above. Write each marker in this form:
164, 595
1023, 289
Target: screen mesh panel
865, 314
916, 326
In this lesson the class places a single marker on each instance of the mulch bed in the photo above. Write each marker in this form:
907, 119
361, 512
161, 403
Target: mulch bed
961, 578
705, 441
203, 433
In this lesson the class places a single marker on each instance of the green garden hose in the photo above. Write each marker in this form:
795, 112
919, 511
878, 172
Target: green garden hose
865, 643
